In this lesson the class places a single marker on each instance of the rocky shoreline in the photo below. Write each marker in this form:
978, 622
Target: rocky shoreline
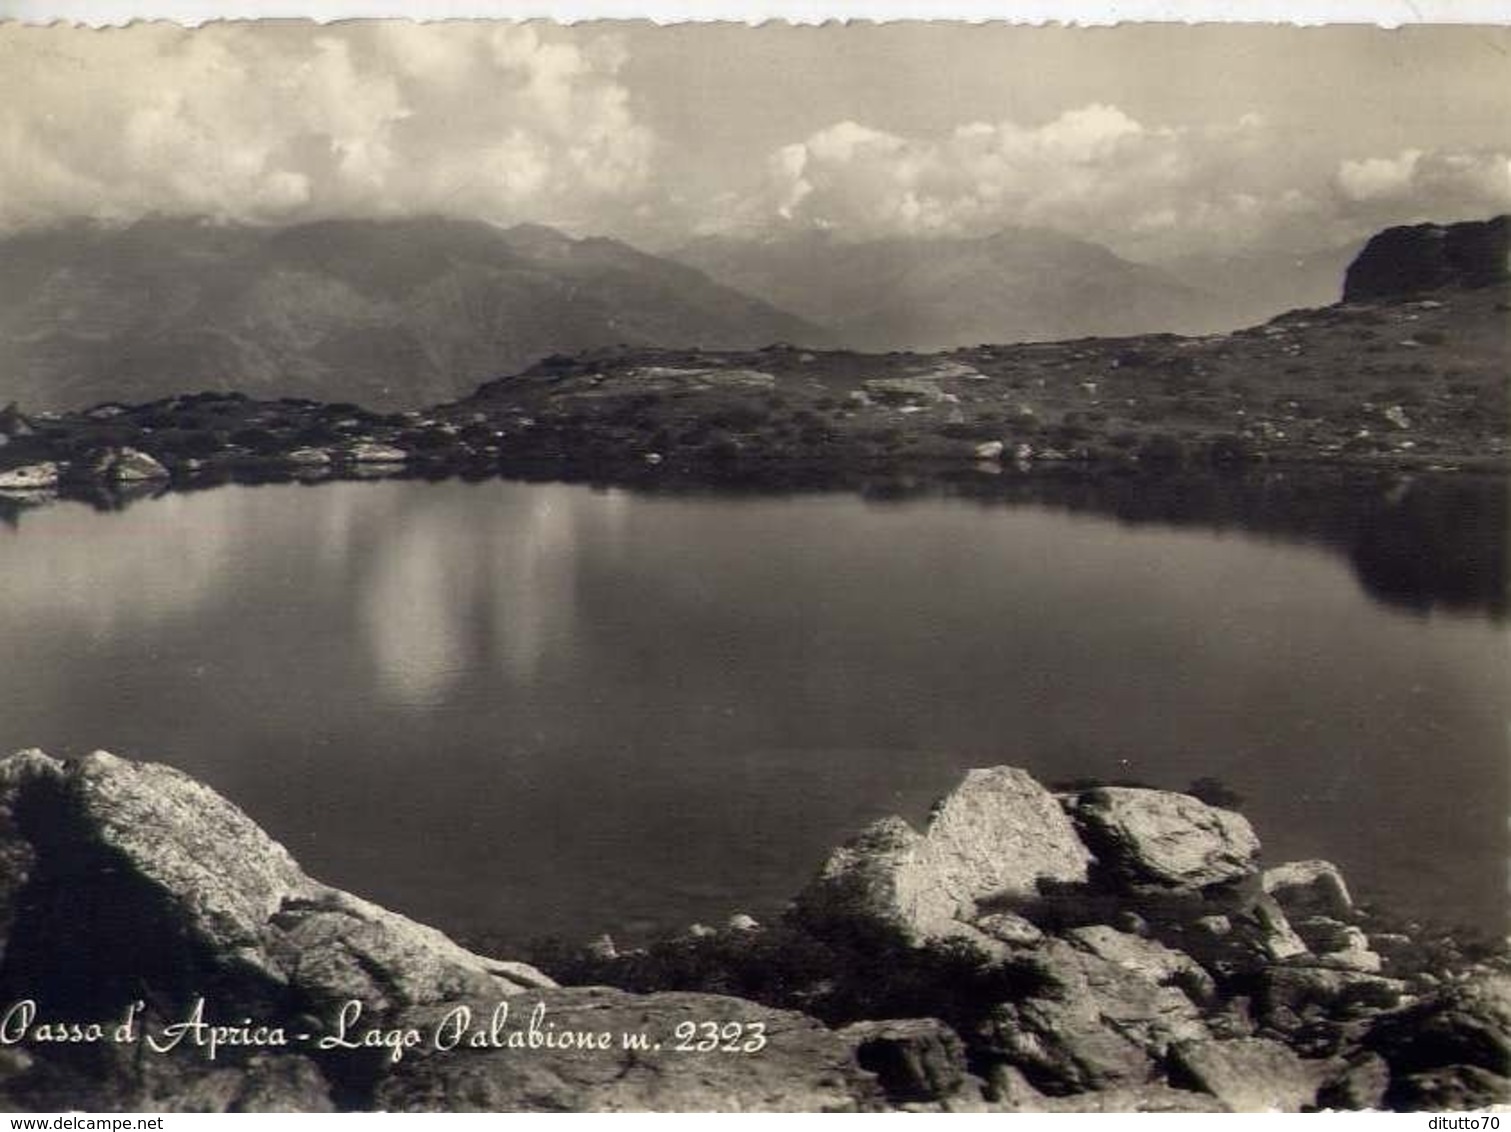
1095, 949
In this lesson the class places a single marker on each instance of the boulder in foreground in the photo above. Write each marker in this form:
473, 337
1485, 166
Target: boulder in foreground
997, 836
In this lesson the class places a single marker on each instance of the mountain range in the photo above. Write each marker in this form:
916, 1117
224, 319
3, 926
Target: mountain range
403, 312
387, 313
1020, 284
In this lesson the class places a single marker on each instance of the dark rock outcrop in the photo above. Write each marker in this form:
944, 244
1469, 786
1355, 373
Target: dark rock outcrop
1406, 261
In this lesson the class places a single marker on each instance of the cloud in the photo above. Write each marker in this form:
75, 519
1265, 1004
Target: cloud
1098, 172
1093, 169
1414, 183
281, 121
276, 121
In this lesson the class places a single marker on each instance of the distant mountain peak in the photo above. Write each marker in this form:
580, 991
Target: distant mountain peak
947, 291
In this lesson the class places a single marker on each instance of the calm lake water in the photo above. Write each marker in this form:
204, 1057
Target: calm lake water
545, 709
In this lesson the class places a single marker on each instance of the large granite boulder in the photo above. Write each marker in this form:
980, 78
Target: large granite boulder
125, 876
995, 838
1166, 840
1408, 260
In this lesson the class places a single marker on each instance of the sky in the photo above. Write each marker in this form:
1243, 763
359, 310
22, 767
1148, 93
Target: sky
1157, 140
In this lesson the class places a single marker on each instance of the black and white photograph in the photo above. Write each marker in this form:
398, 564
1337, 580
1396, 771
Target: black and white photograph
717, 566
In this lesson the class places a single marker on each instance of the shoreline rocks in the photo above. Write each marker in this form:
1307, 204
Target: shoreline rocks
1105, 950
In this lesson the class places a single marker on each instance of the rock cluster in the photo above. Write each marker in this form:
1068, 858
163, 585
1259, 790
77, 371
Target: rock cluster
1164, 954
1154, 965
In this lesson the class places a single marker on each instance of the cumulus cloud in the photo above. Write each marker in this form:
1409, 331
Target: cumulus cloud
1414, 182
278, 121
1097, 171
273, 121
1094, 170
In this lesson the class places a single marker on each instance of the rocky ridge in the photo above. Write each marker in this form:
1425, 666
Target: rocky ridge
1099, 949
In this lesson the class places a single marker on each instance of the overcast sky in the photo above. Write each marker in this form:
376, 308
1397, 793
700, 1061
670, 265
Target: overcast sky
1155, 140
